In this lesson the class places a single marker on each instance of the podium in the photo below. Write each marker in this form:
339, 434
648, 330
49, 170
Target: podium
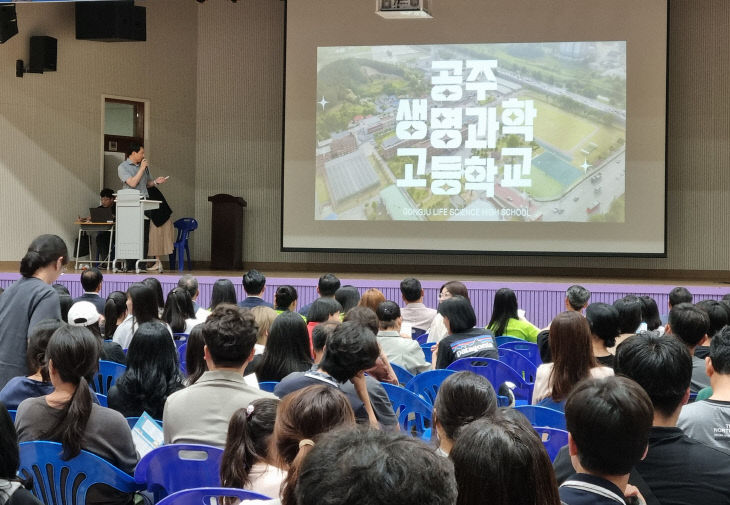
226, 233
130, 226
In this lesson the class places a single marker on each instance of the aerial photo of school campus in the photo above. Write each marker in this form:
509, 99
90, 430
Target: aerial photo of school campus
479, 132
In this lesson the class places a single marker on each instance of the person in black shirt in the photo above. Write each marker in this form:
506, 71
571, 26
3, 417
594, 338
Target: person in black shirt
463, 340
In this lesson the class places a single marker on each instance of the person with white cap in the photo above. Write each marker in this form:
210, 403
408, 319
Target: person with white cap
85, 314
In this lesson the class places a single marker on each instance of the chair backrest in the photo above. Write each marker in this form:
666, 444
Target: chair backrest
527, 349
268, 386
427, 351
543, 416
518, 363
417, 332
181, 350
170, 468
12, 414
184, 226
503, 339
422, 338
414, 414
498, 374
210, 496
403, 375
102, 400
58, 482
180, 338
553, 439
107, 375
427, 384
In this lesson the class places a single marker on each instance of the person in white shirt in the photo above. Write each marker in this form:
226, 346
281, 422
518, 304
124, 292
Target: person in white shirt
415, 313
399, 350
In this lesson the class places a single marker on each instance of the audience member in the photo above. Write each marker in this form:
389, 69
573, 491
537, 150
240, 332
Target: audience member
29, 300
437, 330
371, 298
179, 312
247, 462
573, 360
327, 286
501, 461
464, 340
321, 310
576, 299
141, 308
152, 374
39, 383
415, 313
676, 296
91, 281
301, 419
401, 351
156, 287
603, 321
348, 297
115, 311
608, 423
629, 316
708, 420
68, 415
190, 284
678, 469
354, 467
382, 370
254, 284
223, 292
719, 315
691, 325
12, 489
65, 301
462, 398
85, 314
505, 318
350, 351
195, 356
285, 299
200, 413
650, 318
264, 317
288, 349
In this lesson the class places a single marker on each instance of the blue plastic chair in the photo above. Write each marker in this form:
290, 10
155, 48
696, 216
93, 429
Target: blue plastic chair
417, 332
102, 400
107, 375
59, 482
403, 375
171, 468
427, 351
12, 414
505, 338
184, 226
210, 496
180, 338
497, 373
553, 439
518, 363
268, 386
543, 416
527, 349
414, 413
422, 338
181, 351
427, 384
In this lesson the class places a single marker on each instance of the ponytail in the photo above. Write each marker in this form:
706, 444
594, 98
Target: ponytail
43, 251
115, 306
289, 484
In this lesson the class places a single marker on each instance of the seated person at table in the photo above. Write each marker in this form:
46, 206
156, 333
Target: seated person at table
102, 237
463, 340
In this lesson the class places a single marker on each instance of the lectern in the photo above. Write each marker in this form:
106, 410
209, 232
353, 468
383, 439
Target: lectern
130, 226
226, 232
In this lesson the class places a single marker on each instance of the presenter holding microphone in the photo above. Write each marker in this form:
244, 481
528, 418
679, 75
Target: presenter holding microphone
135, 174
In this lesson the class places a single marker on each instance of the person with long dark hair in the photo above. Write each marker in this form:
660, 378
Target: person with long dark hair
573, 360
156, 287
194, 356
115, 311
650, 318
223, 292
29, 300
153, 373
68, 415
348, 297
603, 321
246, 462
287, 349
505, 320
179, 312
501, 461
464, 339
141, 308
12, 490
39, 383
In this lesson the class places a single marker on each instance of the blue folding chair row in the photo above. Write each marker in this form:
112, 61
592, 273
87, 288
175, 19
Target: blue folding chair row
543, 416
518, 363
427, 351
498, 374
108, 373
403, 375
426, 384
267, 386
553, 439
210, 496
527, 349
414, 413
181, 351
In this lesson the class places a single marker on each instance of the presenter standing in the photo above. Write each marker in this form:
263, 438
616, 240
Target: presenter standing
134, 174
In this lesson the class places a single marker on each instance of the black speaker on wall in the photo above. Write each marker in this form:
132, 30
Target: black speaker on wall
43, 54
8, 22
111, 21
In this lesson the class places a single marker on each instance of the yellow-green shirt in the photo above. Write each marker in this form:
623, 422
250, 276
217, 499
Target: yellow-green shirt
519, 329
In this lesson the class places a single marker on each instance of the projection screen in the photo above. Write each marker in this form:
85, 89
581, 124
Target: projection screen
491, 127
